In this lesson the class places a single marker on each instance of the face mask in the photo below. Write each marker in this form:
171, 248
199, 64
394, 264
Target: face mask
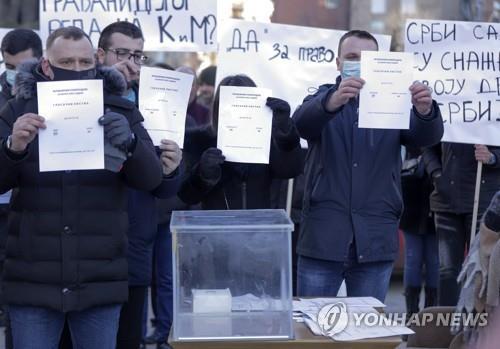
130, 95
61, 74
351, 68
10, 76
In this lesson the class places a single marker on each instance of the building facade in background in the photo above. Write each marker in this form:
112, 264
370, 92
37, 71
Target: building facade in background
330, 14
389, 16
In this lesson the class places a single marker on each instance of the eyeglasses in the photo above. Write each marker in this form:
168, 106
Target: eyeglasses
123, 54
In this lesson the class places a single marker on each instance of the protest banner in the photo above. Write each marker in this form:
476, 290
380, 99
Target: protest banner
460, 61
167, 25
292, 61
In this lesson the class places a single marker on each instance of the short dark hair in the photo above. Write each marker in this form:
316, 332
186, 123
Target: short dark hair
19, 40
73, 33
207, 75
163, 66
123, 27
361, 34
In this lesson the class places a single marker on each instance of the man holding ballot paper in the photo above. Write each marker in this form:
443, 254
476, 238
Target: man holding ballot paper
352, 202
66, 250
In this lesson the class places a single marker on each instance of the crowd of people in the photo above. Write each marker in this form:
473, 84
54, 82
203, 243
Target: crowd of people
80, 249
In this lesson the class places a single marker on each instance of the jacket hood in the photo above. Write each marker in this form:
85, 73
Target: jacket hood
30, 72
5, 89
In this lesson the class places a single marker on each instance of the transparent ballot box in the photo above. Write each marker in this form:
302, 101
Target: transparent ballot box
232, 275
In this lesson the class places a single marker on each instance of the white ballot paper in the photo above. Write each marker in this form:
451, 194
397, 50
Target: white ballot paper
363, 321
245, 123
385, 99
73, 139
163, 102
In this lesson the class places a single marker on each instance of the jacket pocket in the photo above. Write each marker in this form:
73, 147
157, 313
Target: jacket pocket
316, 184
398, 198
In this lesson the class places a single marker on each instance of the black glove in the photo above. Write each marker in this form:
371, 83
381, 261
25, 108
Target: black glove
117, 130
281, 113
492, 215
210, 165
284, 131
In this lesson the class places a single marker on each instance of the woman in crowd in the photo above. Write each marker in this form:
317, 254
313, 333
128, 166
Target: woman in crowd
217, 184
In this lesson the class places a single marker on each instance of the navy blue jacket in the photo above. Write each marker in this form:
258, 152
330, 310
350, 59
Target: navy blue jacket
142, 230
353, 185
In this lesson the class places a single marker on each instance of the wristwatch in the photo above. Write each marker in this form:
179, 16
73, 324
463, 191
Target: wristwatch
8, 144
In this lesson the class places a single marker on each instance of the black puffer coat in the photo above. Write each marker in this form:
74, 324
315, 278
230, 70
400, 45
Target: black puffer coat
67, 230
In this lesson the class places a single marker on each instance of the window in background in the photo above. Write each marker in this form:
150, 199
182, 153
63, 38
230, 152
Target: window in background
408, 7
377, 26
379, 7
332, 4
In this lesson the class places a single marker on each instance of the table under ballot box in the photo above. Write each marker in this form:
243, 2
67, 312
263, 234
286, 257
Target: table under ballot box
232, 275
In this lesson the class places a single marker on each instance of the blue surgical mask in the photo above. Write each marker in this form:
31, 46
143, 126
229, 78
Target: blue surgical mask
10, 76
351, 68
130, 95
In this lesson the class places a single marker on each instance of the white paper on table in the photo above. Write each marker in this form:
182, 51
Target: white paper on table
163, 102
357, 327
244, 125
385, 99
73, 139
357, 330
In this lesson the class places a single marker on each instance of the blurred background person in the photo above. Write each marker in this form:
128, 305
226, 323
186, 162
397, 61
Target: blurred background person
453, 167
417, 224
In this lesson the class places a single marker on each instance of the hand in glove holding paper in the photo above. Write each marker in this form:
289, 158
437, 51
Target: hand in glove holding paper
283, 131
117, 130
171, 156
421, 98
281, 113
348, 88
210, 166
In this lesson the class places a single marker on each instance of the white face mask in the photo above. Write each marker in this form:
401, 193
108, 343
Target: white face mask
351, 68
10, 76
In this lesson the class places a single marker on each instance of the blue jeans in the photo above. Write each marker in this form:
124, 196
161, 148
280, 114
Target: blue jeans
41, 328
164, 288
322, 278
421, 250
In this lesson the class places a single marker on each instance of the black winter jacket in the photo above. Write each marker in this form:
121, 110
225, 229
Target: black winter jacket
241, 186
454, 190
66, 247
5, 90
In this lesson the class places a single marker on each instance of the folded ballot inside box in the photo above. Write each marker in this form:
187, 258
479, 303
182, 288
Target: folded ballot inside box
232, 275
212, 301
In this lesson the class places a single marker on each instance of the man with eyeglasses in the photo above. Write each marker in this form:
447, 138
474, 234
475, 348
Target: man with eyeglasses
121, 46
